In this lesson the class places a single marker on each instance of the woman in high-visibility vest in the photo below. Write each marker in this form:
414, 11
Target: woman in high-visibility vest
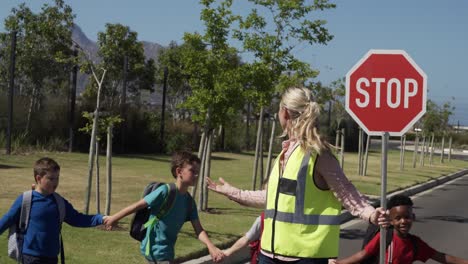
305, 191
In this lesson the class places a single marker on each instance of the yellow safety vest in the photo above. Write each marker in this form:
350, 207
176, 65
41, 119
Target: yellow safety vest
301, 220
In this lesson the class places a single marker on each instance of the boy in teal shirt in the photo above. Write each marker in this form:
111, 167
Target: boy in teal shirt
158, 245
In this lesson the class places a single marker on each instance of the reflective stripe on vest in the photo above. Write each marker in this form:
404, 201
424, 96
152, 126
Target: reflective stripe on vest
292, 231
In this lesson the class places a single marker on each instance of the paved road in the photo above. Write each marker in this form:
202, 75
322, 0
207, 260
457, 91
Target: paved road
441, 220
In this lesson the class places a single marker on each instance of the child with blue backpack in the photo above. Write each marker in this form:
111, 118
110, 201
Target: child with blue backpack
162, 230
37, 218
403, 247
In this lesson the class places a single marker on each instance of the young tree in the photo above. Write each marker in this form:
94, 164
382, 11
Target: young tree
172, 60
271, 32
119, 45
212, 69
43, 39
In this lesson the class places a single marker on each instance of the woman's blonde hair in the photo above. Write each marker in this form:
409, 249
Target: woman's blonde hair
304, 114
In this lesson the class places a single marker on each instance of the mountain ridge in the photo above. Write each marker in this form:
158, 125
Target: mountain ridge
151, 51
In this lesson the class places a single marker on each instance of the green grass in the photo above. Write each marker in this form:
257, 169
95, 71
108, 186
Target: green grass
225, 222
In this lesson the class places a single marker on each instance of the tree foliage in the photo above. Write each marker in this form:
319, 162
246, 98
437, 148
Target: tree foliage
211, 67
171, 61
103, 123
272, 30
43, 59
115, 44
42, 39
437, 117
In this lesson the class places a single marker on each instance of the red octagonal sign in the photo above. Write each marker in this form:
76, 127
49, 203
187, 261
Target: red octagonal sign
386, 92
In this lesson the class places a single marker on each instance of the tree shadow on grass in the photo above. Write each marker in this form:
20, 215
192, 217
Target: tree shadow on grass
145, 157
3, 166
214, 157
162, 159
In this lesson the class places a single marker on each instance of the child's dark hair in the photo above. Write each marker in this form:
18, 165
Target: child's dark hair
398, 200
44, 165
180, 158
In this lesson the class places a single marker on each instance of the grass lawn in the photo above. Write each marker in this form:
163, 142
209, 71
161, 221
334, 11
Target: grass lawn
225, 222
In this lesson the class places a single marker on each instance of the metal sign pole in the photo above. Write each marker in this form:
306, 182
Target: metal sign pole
383, 195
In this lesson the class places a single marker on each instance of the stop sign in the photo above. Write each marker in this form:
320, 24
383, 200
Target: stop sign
386, 92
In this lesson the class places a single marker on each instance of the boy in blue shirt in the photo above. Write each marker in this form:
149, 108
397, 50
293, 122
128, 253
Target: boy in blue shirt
158, 245
42, 238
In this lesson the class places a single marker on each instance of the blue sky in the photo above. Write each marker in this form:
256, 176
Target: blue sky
433, 33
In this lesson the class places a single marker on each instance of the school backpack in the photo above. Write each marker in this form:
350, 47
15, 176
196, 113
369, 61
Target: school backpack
372, 231
18, 230
255, 245
141, 217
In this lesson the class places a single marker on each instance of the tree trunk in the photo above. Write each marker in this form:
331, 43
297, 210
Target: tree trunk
11, 92
260, 178
247, 128
342, 147
416, 146
201, 180
109, 170
450, 150
270, 151
201, 154
123, 105
257, 149
423, 151
72, 101
402, 152
432, 149
442, 150
163, 110
223, 137
360, 152
366, 158
207, 170
31, 109
92, 143
337, 141
98, 196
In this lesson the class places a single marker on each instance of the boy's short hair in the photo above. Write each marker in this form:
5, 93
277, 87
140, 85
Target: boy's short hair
398, 200
180, 158
44, 165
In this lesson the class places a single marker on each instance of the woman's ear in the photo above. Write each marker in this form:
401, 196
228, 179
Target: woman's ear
286, 114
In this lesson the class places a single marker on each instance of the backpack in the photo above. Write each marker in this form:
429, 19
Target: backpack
372, 231
17, 231
255, 245
141, 217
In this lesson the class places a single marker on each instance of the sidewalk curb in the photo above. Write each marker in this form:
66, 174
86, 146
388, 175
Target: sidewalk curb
346, 215
410, 191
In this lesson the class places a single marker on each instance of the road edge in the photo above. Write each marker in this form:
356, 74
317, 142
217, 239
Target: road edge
346, 215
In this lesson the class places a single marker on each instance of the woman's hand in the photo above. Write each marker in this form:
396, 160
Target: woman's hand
222, 187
